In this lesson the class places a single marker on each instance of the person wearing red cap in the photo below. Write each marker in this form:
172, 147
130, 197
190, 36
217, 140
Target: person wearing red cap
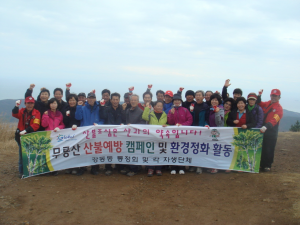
29, 121
273, 113
168, 101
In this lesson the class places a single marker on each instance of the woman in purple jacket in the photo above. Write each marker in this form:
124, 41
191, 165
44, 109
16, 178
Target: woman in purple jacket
256, 110
179, 116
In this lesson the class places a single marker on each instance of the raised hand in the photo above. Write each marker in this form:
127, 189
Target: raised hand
260, 91
102, 102
227, 83
93, 91
31, 86
68, 85
149, 86
181, 89
18, 103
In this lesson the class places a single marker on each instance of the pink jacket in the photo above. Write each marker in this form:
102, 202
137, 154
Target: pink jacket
181, 116
53, 120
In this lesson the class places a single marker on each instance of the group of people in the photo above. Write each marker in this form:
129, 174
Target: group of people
206, 109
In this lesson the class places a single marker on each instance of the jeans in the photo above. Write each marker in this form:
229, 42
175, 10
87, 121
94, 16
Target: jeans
20, 159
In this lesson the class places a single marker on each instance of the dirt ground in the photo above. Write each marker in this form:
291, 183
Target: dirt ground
235, 198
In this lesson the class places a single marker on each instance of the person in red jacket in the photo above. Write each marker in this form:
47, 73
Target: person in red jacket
273, 113
29, 121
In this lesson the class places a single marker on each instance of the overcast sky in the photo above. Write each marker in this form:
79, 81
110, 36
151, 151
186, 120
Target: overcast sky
117, 44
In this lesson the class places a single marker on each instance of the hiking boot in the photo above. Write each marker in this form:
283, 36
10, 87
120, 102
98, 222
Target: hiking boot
192, 168
74, 171
124, 171
181, 172
213, 171
131, 174
198, 170
95, 170
108, 172
267, 169
173, 172
158, 172
80, 171
150, 172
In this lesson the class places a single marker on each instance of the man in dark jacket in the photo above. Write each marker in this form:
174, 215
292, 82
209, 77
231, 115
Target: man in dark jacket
189, 95
29, 121
58, 94
112, 115
273, 113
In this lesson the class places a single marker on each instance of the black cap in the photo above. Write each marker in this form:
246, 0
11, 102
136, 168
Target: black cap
91, 95
177, 97
82, 94
190, 92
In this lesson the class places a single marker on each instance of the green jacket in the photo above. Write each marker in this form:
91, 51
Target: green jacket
150, 116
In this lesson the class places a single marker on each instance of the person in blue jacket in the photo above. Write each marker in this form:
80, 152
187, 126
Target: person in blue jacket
89, 115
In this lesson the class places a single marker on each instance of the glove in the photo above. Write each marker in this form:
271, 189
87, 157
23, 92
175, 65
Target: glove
102, 102
74, 127
93, 91
56, 129
68, 113
18, 103
206, 126
149, 86
181, 89
215, 107
68, 85
130, 90
23, 132
178, 124
192, 107
263, 129
260, 91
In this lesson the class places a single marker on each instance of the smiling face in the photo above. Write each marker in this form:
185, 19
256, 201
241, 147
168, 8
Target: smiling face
53, 106
251, 102
214, 102
44, 96
72, 102
58, 95
177, 102
236, 95
207, 96
147, 98
105, 96
189, 98
227, 106
168, 99
29, 106
160, 97
241, 106
275, 98
115, 101
91, 101
134, 101
158, 107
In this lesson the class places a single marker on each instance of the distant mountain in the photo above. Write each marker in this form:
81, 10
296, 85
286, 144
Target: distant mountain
289, 117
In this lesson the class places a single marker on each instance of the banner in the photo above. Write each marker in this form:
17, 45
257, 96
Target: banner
224, 148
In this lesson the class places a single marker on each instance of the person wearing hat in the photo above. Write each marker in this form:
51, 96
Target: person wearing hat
179, 116
168, 101
189, 96
273, 113
41, 104
127, 100
256, 110
89, 115
29, 121
236, 93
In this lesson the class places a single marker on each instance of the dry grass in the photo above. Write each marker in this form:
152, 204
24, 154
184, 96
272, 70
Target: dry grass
7, 135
